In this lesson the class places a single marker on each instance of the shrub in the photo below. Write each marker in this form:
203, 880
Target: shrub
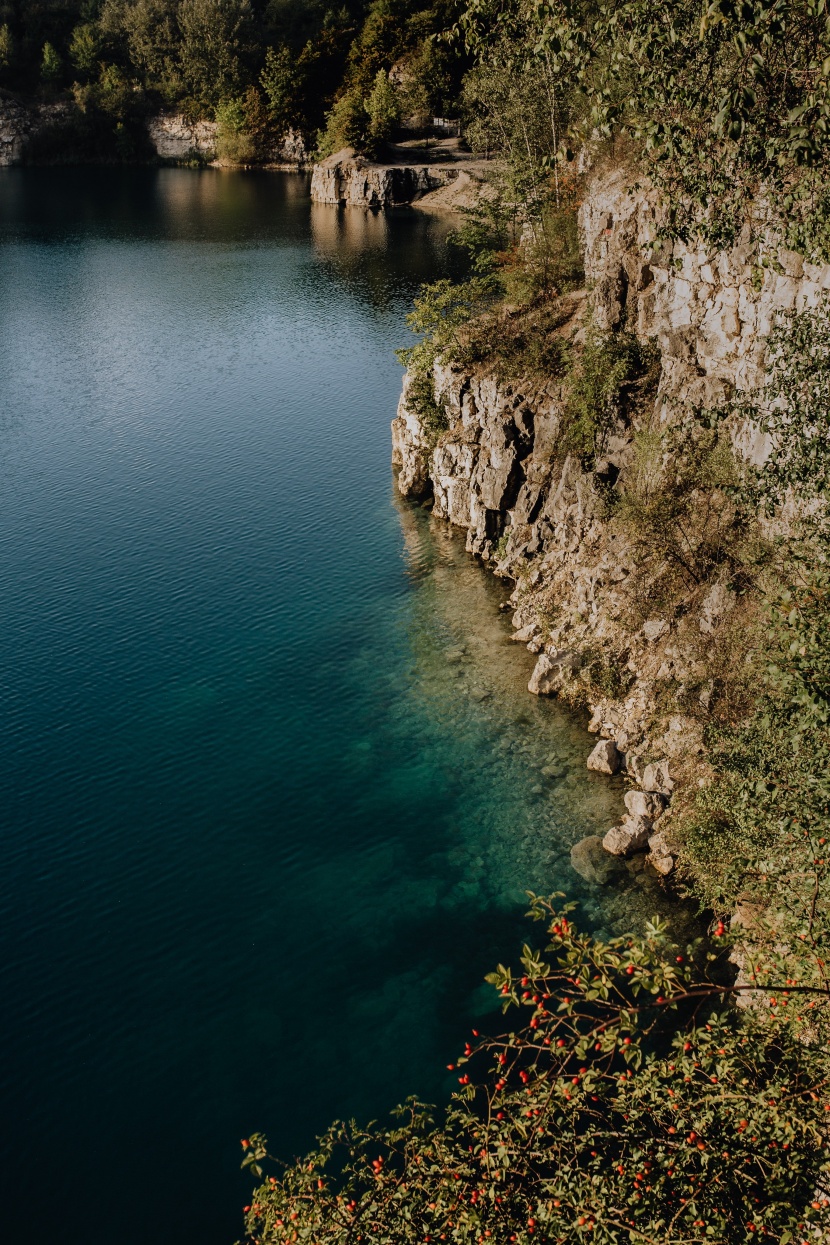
630, 1104
614, 370
440, 311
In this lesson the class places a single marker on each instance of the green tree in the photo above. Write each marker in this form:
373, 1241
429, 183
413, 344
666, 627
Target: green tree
383, 109
215, 35
51, 65
145, 35
84, 48
346, 125
281, 84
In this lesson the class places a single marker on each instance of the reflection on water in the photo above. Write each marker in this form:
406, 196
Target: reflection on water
356, 243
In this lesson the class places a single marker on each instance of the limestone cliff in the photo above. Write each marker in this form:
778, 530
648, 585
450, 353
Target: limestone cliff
178, 140
645, 664
350, 179
19, 123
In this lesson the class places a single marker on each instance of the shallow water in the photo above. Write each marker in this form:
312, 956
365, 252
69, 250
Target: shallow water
272, 788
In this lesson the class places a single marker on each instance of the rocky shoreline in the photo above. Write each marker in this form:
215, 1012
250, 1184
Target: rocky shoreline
441, 177
541, 520
171, 137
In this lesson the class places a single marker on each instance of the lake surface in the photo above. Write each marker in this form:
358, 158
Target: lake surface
271, 789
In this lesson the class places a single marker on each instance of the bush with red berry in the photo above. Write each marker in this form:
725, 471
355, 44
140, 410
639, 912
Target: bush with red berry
632, 1101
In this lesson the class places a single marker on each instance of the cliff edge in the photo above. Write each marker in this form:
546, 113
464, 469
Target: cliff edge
636, 613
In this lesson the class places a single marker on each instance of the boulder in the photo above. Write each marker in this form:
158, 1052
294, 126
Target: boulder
591, 861
547, 673
630, 836
644, 804
605, 758
659, 854
656, 778
525, 634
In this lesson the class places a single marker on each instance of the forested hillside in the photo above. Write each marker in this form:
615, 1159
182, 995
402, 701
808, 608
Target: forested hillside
260, 67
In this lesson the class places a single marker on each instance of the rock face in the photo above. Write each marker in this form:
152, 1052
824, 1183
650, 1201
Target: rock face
346, 178
539, 515
178, 140
19, 123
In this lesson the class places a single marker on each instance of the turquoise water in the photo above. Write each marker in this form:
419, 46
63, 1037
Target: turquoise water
271, 780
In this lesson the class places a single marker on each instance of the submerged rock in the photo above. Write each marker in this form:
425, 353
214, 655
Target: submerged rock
591, 861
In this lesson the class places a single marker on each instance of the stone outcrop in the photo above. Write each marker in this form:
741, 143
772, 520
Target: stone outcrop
180, 141
629, 837
346, 178
539, 515
21, 122
592, 862
605, 758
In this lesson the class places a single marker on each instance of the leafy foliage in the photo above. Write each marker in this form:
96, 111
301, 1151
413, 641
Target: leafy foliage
609, 375
760, 827
792, 410
628, 1105
204, 55
440, 311
719, 102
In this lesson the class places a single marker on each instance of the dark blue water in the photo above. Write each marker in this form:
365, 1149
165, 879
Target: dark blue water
271, 788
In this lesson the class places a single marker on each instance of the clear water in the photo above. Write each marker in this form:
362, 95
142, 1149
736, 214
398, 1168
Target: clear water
271, 789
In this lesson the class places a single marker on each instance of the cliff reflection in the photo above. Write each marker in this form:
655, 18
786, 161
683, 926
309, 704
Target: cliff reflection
381, 254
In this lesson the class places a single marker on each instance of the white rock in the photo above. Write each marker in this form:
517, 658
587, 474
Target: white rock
645, 804
547, 673
717, 602
525, 634
654, 628
605, 758
630, 836
656, 778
